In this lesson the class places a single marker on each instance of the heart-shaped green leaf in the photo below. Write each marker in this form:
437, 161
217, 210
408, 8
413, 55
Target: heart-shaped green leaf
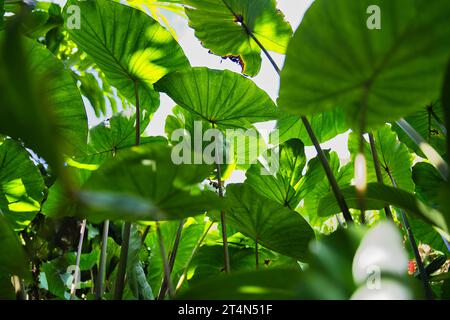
219, 25
21, 185
132, 49
378, 60
223, 98
267, 222
281, 183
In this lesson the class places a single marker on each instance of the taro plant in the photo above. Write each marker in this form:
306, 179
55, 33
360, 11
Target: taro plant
241, 196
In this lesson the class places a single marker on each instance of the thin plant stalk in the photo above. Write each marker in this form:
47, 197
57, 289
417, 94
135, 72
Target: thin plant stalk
334, 185
172, 257
166, 267
412, 241
223, 224
377, 166
102, 266
76, 275
121, 272
191, 257
19, 288
329, 173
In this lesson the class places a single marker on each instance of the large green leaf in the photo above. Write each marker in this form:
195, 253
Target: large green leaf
21, 185
130, 47
428, 183
41, 102
190, 235
242, 148
223, 98
219, 26
147, 178
429, 123
208, 262
326, 125
394, 157
267, 222
379, 75
137, 280
315, 185
111, 138
376, 198
250, 285
13, 260
280, 185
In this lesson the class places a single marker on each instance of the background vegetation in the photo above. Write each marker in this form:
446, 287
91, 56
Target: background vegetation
103, 212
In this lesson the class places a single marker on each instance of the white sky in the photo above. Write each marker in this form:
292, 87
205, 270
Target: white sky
267, 79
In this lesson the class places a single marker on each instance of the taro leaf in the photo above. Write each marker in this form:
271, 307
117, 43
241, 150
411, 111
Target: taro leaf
21, 185
136, 276
13, 260
425, 233
41, 103
267, 222
326, 125
6, 287
281, 185
109, 139
130, 47
428, 183
376, 198
190, 235
315, 185
145, 185
50, 279
429, 123
208, 262
336, 58
250, 285
394, 157
217, 24
222, 98
241, 147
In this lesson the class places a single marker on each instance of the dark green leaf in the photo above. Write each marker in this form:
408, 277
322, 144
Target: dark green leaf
335, 59
267, 222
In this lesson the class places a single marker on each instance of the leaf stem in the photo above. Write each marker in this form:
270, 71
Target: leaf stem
223, 223
377, 166
334, 185
102, 266
412, 241
326, 166
172, 256
162, 250
121, 272
226, 255
191, 257
77, 263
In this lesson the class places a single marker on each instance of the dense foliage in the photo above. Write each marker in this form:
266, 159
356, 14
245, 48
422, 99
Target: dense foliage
105, 212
